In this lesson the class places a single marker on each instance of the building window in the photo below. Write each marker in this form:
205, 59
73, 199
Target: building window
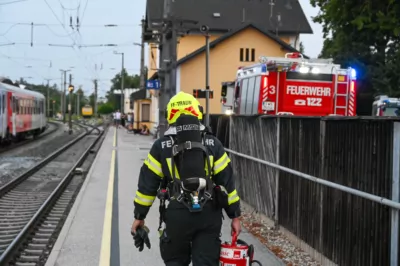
145, 112
247, 55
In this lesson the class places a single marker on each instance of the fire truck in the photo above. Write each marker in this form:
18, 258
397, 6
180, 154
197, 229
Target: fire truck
385, 106
292, 85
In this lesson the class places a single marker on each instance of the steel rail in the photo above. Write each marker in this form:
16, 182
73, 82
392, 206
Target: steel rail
15, 245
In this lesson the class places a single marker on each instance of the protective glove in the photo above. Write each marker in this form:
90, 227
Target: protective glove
141, 238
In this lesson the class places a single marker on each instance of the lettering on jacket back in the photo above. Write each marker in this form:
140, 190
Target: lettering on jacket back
168, 143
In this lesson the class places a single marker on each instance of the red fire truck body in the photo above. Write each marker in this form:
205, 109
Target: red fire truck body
295, 86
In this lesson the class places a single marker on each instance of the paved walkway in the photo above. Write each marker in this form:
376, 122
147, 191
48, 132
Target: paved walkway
97, 230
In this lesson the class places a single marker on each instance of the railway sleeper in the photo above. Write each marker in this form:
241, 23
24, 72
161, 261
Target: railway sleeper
33, 252
53, 219
43, 241
37, 246
7, 235
9, 225
47, 235
4, 208
14, 231
17, 215
17, 192
46, 230
19, 204
16, 219
25, 264
6, 242
29, 258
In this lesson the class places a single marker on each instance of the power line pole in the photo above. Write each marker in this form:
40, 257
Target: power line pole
95, 98
142, 70
122, 82
77, 101
122, 85
64, 96
63, 93
70, 89
48, 98
172, 28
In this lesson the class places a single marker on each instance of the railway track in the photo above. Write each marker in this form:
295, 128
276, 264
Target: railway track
34, 205
24, 142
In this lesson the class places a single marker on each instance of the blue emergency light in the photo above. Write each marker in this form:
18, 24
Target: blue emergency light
263, 68
353, 73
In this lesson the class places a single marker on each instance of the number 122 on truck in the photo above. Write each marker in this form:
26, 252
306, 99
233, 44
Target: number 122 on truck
293, 85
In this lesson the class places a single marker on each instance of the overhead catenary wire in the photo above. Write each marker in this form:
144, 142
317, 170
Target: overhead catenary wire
11, 2
87, 58
73, 40
58, 25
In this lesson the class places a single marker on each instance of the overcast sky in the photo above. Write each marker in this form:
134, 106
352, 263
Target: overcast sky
44, 61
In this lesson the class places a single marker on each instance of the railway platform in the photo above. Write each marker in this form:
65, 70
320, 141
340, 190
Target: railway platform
97, 230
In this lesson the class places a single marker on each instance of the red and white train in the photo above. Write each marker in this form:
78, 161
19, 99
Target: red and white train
22, 112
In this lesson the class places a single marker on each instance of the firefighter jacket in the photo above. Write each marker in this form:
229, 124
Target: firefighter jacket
157, 167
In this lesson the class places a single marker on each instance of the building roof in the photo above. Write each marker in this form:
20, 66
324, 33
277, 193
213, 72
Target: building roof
232, 33
139, 95
234, 13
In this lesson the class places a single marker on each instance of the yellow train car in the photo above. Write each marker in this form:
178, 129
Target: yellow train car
87, 111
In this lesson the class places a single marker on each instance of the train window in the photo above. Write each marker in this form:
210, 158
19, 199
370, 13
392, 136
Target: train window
256, 95
18, 106
243, 95
250, 95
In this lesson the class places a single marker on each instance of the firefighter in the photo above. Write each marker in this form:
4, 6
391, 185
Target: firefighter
193, 218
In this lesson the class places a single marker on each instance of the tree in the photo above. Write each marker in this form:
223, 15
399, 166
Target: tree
363, 35
130, 81
105, 108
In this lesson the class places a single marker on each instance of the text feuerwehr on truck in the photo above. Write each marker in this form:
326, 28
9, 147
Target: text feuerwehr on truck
292, 85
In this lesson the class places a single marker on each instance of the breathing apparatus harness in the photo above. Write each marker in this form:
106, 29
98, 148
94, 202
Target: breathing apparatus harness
186, 191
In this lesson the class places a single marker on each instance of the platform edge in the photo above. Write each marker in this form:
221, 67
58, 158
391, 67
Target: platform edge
52, 259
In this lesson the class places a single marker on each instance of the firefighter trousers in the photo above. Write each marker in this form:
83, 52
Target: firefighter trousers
191, 236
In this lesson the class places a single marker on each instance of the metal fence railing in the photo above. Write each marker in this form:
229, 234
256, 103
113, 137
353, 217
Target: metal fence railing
375, 153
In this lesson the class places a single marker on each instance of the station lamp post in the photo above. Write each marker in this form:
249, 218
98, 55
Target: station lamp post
70, 90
